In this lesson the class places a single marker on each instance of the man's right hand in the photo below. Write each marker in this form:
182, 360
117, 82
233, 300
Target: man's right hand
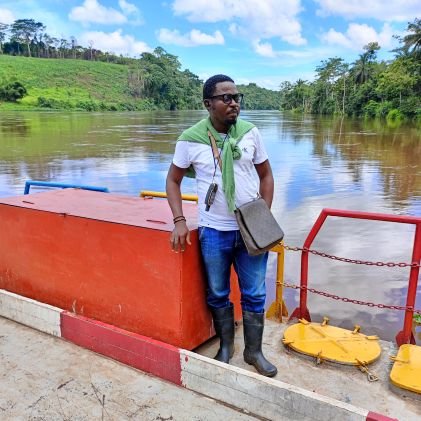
180, 236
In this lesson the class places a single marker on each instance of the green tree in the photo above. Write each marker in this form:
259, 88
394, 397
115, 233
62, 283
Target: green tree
363, 66
48, 41
3, 30
411, 41
12, 91
327, 96
395, 82
163, 81
257, 98
25, 31
344, 72
301, 92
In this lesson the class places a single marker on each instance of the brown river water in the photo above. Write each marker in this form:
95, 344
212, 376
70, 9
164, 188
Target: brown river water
317, 163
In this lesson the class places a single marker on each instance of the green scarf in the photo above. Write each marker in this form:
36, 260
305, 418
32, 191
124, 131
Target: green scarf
199, 134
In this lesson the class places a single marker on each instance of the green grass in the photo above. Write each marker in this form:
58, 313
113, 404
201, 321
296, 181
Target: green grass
66, 82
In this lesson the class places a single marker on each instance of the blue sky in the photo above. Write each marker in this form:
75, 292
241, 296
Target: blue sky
260, 41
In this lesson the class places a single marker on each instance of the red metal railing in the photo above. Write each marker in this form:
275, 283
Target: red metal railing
405, 335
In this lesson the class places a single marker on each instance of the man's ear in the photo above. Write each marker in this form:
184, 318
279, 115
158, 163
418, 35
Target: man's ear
207, 103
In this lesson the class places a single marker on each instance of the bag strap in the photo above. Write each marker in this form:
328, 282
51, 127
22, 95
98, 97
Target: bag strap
215, 150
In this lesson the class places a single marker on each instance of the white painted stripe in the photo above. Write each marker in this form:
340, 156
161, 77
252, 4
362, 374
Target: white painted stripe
260, 395
31, 313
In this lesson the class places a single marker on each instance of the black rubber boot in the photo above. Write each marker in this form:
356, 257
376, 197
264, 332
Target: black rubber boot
223, 320
253, 324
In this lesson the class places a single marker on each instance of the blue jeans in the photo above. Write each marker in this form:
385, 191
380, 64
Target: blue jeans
221, 249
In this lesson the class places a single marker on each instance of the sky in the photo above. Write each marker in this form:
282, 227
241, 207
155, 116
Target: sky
254, 41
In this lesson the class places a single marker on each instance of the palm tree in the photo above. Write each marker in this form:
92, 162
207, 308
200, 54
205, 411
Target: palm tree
299, 88
362, 67
361, 70
412, 41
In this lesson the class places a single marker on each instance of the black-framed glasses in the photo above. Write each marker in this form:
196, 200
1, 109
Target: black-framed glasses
227, 98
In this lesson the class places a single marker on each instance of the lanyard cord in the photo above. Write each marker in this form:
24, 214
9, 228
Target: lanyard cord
217, 158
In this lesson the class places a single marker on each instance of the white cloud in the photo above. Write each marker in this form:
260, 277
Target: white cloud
115, 42
6, 16
205, 11
358, 35
273, 82
131, 11
252, 19
264, 49
93, 12
190, 39
57, 25
267, 81
289, 57
336, 38
127, 8
397, 10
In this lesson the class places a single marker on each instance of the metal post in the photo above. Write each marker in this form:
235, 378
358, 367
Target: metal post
406, 335
278, 308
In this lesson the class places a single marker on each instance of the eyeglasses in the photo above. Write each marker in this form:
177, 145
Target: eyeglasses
227, 98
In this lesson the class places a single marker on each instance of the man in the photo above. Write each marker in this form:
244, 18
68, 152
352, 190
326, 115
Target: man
244, 173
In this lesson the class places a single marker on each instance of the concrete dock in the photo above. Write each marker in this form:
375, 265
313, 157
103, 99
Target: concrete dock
45, 378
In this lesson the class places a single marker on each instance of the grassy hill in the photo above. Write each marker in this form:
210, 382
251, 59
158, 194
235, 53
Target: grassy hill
68, 84
156, 80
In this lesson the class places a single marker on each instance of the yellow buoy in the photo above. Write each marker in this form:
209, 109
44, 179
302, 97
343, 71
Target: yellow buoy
406, 371
332, 343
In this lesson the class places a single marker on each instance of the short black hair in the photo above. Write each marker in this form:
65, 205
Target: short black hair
209, 85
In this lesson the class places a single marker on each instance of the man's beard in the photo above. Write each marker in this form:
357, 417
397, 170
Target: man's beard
231, 121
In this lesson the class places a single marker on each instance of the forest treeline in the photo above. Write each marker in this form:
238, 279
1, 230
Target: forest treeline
156, 80
366, 87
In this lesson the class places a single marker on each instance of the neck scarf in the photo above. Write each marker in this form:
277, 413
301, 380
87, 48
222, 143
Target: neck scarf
230, 150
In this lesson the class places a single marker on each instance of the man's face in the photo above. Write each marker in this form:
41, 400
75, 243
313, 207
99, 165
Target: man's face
223, 115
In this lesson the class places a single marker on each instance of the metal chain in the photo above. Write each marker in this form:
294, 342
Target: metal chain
348, 300
362, 366
356, 261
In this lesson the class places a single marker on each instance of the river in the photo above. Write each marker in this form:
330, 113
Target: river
318, 162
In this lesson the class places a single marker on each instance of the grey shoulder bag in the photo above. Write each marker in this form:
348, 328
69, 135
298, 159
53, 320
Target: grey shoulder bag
258, 227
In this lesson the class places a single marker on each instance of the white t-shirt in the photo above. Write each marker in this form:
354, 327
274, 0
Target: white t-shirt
246, 178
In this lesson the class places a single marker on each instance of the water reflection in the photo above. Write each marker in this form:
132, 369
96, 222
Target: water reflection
317, 163
17, 126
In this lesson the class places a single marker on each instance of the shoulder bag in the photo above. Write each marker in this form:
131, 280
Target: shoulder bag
258, 227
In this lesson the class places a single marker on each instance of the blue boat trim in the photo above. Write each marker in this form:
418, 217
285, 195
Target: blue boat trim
30, 183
